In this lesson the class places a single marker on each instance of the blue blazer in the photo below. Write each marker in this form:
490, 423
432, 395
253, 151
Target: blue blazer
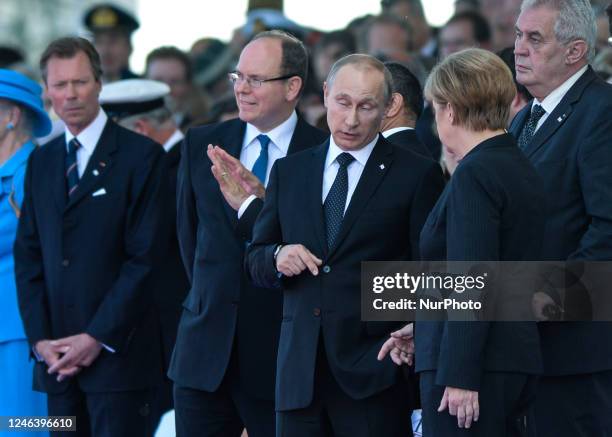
395, 193
572, 152
82, 263
223, 312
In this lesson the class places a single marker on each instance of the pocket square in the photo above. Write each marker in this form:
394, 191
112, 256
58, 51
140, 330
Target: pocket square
100, 192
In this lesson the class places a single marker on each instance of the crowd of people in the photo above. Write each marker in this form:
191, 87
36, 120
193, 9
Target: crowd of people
193, 239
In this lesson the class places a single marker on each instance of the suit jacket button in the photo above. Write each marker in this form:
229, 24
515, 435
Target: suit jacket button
65, 263
326, 269
317, 312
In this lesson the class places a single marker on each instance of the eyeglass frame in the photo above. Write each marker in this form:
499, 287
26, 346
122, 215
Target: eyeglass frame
235, 76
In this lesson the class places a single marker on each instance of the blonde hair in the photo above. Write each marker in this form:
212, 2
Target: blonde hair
477, 84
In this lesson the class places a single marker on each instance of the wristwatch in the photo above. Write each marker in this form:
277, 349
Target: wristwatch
276, 251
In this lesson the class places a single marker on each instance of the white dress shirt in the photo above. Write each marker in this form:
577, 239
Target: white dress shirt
354, 169
280, 138
174, 138
389, 132
551, 101
88, 138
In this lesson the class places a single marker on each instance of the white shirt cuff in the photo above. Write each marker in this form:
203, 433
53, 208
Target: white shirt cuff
108, 348
245, 205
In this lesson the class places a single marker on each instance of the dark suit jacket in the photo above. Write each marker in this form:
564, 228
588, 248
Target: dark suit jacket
571, 152
489, 211
222, 308
170, 280
82, 264
394, 195
408, 138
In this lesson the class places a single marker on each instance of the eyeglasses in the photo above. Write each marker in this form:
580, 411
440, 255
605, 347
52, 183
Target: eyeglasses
237, 78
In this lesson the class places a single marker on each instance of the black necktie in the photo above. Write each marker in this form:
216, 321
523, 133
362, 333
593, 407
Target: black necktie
530, 127
72, 173
336, 199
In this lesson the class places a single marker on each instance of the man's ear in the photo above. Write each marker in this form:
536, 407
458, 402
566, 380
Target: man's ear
325, 94
141, 127
395, 106
294, 85
576, 51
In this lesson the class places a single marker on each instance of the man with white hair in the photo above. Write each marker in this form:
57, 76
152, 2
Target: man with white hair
565, 133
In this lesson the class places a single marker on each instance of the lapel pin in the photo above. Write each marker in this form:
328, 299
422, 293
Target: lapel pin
102, 164
95, 172
560, 119
382, 166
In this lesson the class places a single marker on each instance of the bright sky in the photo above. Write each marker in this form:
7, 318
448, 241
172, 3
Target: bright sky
181, 22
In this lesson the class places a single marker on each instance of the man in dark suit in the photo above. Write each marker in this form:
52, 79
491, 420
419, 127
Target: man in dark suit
565, 133
85, 248
354, 198
223, 371
404, 110
139, 105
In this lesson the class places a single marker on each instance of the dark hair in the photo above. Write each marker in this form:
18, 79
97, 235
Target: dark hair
609, 12
295, 56
171, 52
343, 38
416, 4
407, 85
507, 55
480, 25
69, 47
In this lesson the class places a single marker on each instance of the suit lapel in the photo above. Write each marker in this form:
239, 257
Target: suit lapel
302, 138
560, 114
231, 142
99, 164
314, 196
57, 177
376, 168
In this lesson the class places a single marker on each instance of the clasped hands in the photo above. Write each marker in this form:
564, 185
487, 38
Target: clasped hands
235, 181
460, 402
69, 355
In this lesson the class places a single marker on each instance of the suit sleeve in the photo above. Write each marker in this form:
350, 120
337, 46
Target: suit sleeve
473, 223
246, 222
128, 299
186, 218
595, 173
266, 236
427, 194
29, 269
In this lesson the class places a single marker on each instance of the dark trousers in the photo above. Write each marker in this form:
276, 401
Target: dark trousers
223, 413
109, 414
504, 399
575, 405
334, 413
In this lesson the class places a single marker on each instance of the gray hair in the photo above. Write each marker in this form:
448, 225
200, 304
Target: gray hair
157, 117
576, 20
363, 61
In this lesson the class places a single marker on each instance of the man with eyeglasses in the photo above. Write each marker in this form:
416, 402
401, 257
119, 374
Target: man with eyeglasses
224, 362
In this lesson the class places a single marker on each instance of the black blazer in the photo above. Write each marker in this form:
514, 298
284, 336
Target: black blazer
394, 195
491, 210
571, 152
408, 138
170, 280
82, 264
222, 307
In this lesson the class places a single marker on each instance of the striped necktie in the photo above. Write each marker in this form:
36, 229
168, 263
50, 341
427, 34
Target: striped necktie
72, 172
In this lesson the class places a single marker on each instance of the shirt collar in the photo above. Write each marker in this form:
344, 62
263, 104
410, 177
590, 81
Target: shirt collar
174, 138
360, 155
10, 167
551, 101
395, 130
280, 136
90, 136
